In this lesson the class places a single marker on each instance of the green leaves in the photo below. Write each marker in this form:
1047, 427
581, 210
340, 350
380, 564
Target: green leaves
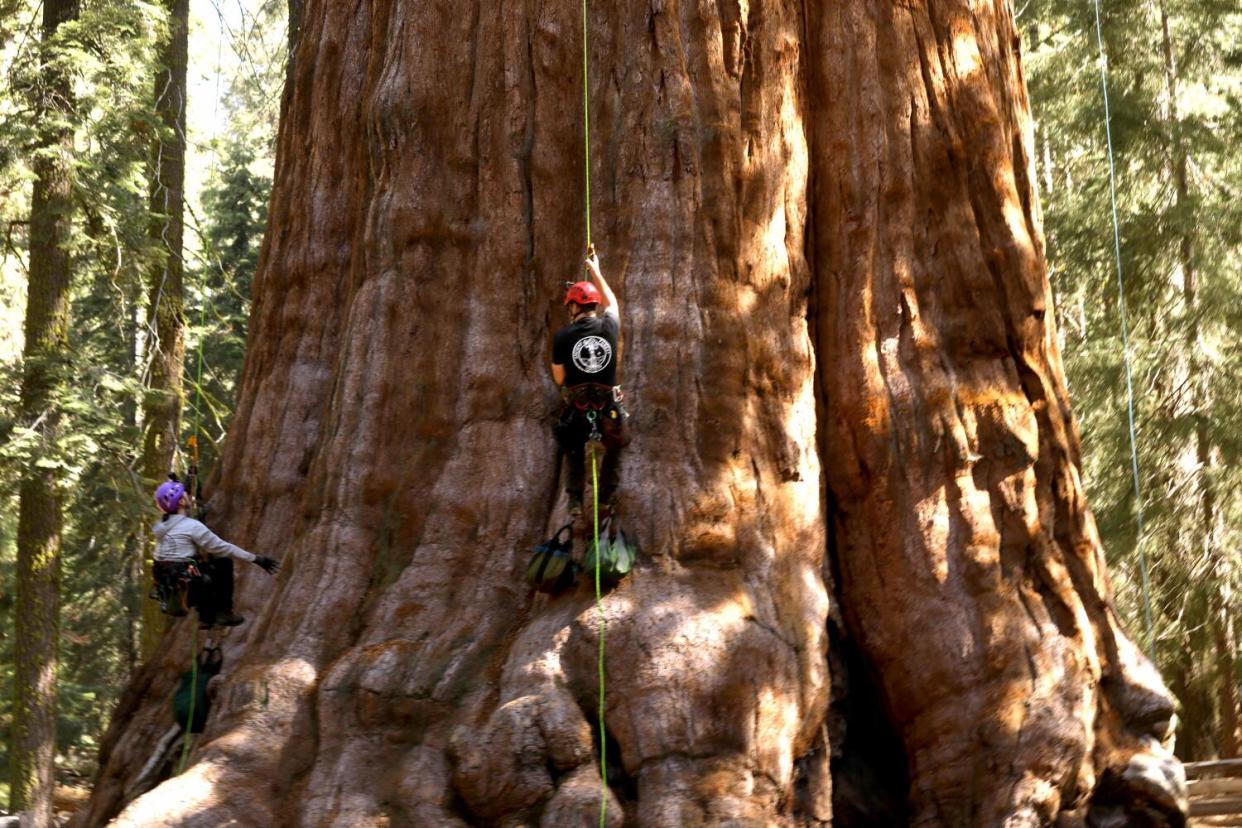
1175, 129
109, 53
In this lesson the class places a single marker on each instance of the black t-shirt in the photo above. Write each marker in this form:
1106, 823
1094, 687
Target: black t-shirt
588, 349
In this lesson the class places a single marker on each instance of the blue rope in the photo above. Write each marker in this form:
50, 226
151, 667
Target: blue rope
1125, 337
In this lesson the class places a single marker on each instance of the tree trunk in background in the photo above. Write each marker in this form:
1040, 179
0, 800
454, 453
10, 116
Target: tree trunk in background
165, 347
1221, 618
1225, 653
293, 13
822, 227
45, 355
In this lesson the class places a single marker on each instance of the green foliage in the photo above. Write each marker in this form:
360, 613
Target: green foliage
1162, 111
237, 205
110, 52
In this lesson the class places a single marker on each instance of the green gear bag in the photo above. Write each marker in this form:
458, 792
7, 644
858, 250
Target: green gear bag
209, 665
615, 558
552, 569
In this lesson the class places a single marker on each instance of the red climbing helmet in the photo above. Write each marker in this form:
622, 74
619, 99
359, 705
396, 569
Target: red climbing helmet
582, 293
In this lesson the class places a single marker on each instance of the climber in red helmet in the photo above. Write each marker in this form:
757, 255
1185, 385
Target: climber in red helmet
585, 354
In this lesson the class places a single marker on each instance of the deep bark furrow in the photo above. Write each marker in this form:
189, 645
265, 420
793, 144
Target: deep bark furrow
987, 399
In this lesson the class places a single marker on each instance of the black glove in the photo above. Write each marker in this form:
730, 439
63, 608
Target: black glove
268, 565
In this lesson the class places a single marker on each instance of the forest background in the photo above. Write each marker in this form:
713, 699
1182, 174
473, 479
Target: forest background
1175, 90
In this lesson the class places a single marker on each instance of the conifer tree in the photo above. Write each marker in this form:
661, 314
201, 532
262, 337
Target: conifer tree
45, 355
166, 318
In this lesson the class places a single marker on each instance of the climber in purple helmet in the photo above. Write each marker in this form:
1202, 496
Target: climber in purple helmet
193, 565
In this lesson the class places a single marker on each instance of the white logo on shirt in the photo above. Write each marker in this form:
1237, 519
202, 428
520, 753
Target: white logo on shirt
592, 354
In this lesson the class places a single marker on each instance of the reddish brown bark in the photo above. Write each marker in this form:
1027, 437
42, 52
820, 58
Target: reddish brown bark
971, 570
392, 443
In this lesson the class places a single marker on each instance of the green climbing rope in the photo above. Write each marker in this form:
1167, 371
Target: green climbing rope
586, 123
193, 442
599, 607
599, 599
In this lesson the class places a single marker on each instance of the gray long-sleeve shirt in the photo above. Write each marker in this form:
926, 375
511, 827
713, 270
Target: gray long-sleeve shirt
178, 537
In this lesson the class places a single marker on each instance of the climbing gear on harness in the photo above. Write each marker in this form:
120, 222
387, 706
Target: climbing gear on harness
611, 557
172, 585
595, 436
168, 495
592, 395
582, 293
552, 569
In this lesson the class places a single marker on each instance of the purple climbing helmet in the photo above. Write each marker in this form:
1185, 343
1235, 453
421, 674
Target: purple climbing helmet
168, 496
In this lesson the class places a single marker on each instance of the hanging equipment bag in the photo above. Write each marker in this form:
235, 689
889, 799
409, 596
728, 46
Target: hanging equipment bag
552, 568
194, 683
615, 559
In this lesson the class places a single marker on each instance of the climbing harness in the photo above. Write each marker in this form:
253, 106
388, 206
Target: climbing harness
592, 396
1125, 340
174, 582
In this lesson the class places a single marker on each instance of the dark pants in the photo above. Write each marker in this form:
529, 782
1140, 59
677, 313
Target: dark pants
215, 596
211, 594
573, 432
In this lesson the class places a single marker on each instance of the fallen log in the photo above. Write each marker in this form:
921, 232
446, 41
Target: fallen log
1214, 787
1216, 807
1227, 767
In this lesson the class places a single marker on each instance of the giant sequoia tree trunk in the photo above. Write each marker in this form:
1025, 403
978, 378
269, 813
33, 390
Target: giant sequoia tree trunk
823, 229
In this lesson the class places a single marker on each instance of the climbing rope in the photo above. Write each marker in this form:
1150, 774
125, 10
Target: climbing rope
586, 124
599, 562
194, 487
1125, 337
599, 607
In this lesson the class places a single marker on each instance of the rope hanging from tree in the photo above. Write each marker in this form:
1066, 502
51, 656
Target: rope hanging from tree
586, 124
1125, 339
599, 607
194, 487
599, 603
194, 482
